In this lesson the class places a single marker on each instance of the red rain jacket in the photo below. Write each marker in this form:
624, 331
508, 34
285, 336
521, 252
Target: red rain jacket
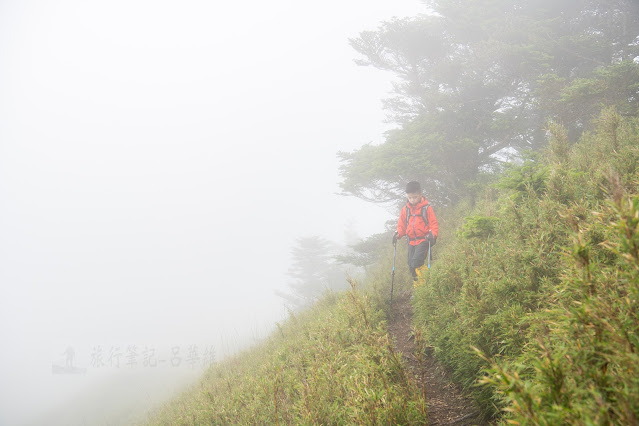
417, 229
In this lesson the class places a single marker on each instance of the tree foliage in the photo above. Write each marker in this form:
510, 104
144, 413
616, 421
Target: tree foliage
365, 252
477, 80
313, 271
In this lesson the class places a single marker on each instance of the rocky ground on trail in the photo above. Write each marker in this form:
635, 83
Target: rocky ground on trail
447, 404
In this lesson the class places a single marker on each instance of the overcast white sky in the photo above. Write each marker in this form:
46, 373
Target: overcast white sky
158, 160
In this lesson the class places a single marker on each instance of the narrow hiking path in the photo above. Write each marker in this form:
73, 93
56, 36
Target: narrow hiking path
447, 405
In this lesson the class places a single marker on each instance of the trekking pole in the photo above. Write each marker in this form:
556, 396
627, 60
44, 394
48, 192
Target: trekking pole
393, 274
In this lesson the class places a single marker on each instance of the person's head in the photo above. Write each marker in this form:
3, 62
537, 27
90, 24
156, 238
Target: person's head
413, 192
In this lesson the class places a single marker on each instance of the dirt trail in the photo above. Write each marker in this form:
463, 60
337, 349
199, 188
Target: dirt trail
447, 405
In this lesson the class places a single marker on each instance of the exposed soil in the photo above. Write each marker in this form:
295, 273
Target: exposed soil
447, 404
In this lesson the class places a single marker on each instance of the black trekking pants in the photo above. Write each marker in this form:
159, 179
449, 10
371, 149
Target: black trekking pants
417, 256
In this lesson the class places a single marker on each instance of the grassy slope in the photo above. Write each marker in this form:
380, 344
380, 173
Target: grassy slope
332, 364
530, 281
541, 279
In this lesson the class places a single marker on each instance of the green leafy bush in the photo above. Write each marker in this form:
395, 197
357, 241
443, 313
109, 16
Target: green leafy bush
478, 227
495, 286
582, 365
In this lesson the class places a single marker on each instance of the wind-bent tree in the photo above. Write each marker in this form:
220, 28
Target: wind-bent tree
478, 80
313, 271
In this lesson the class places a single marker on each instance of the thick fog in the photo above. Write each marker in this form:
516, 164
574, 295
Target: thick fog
157, 162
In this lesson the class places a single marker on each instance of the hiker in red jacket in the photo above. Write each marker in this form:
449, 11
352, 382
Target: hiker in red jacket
418, 222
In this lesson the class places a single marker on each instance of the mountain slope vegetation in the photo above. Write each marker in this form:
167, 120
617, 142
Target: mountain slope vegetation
536, 296
520, 119
532, 303
331, 364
